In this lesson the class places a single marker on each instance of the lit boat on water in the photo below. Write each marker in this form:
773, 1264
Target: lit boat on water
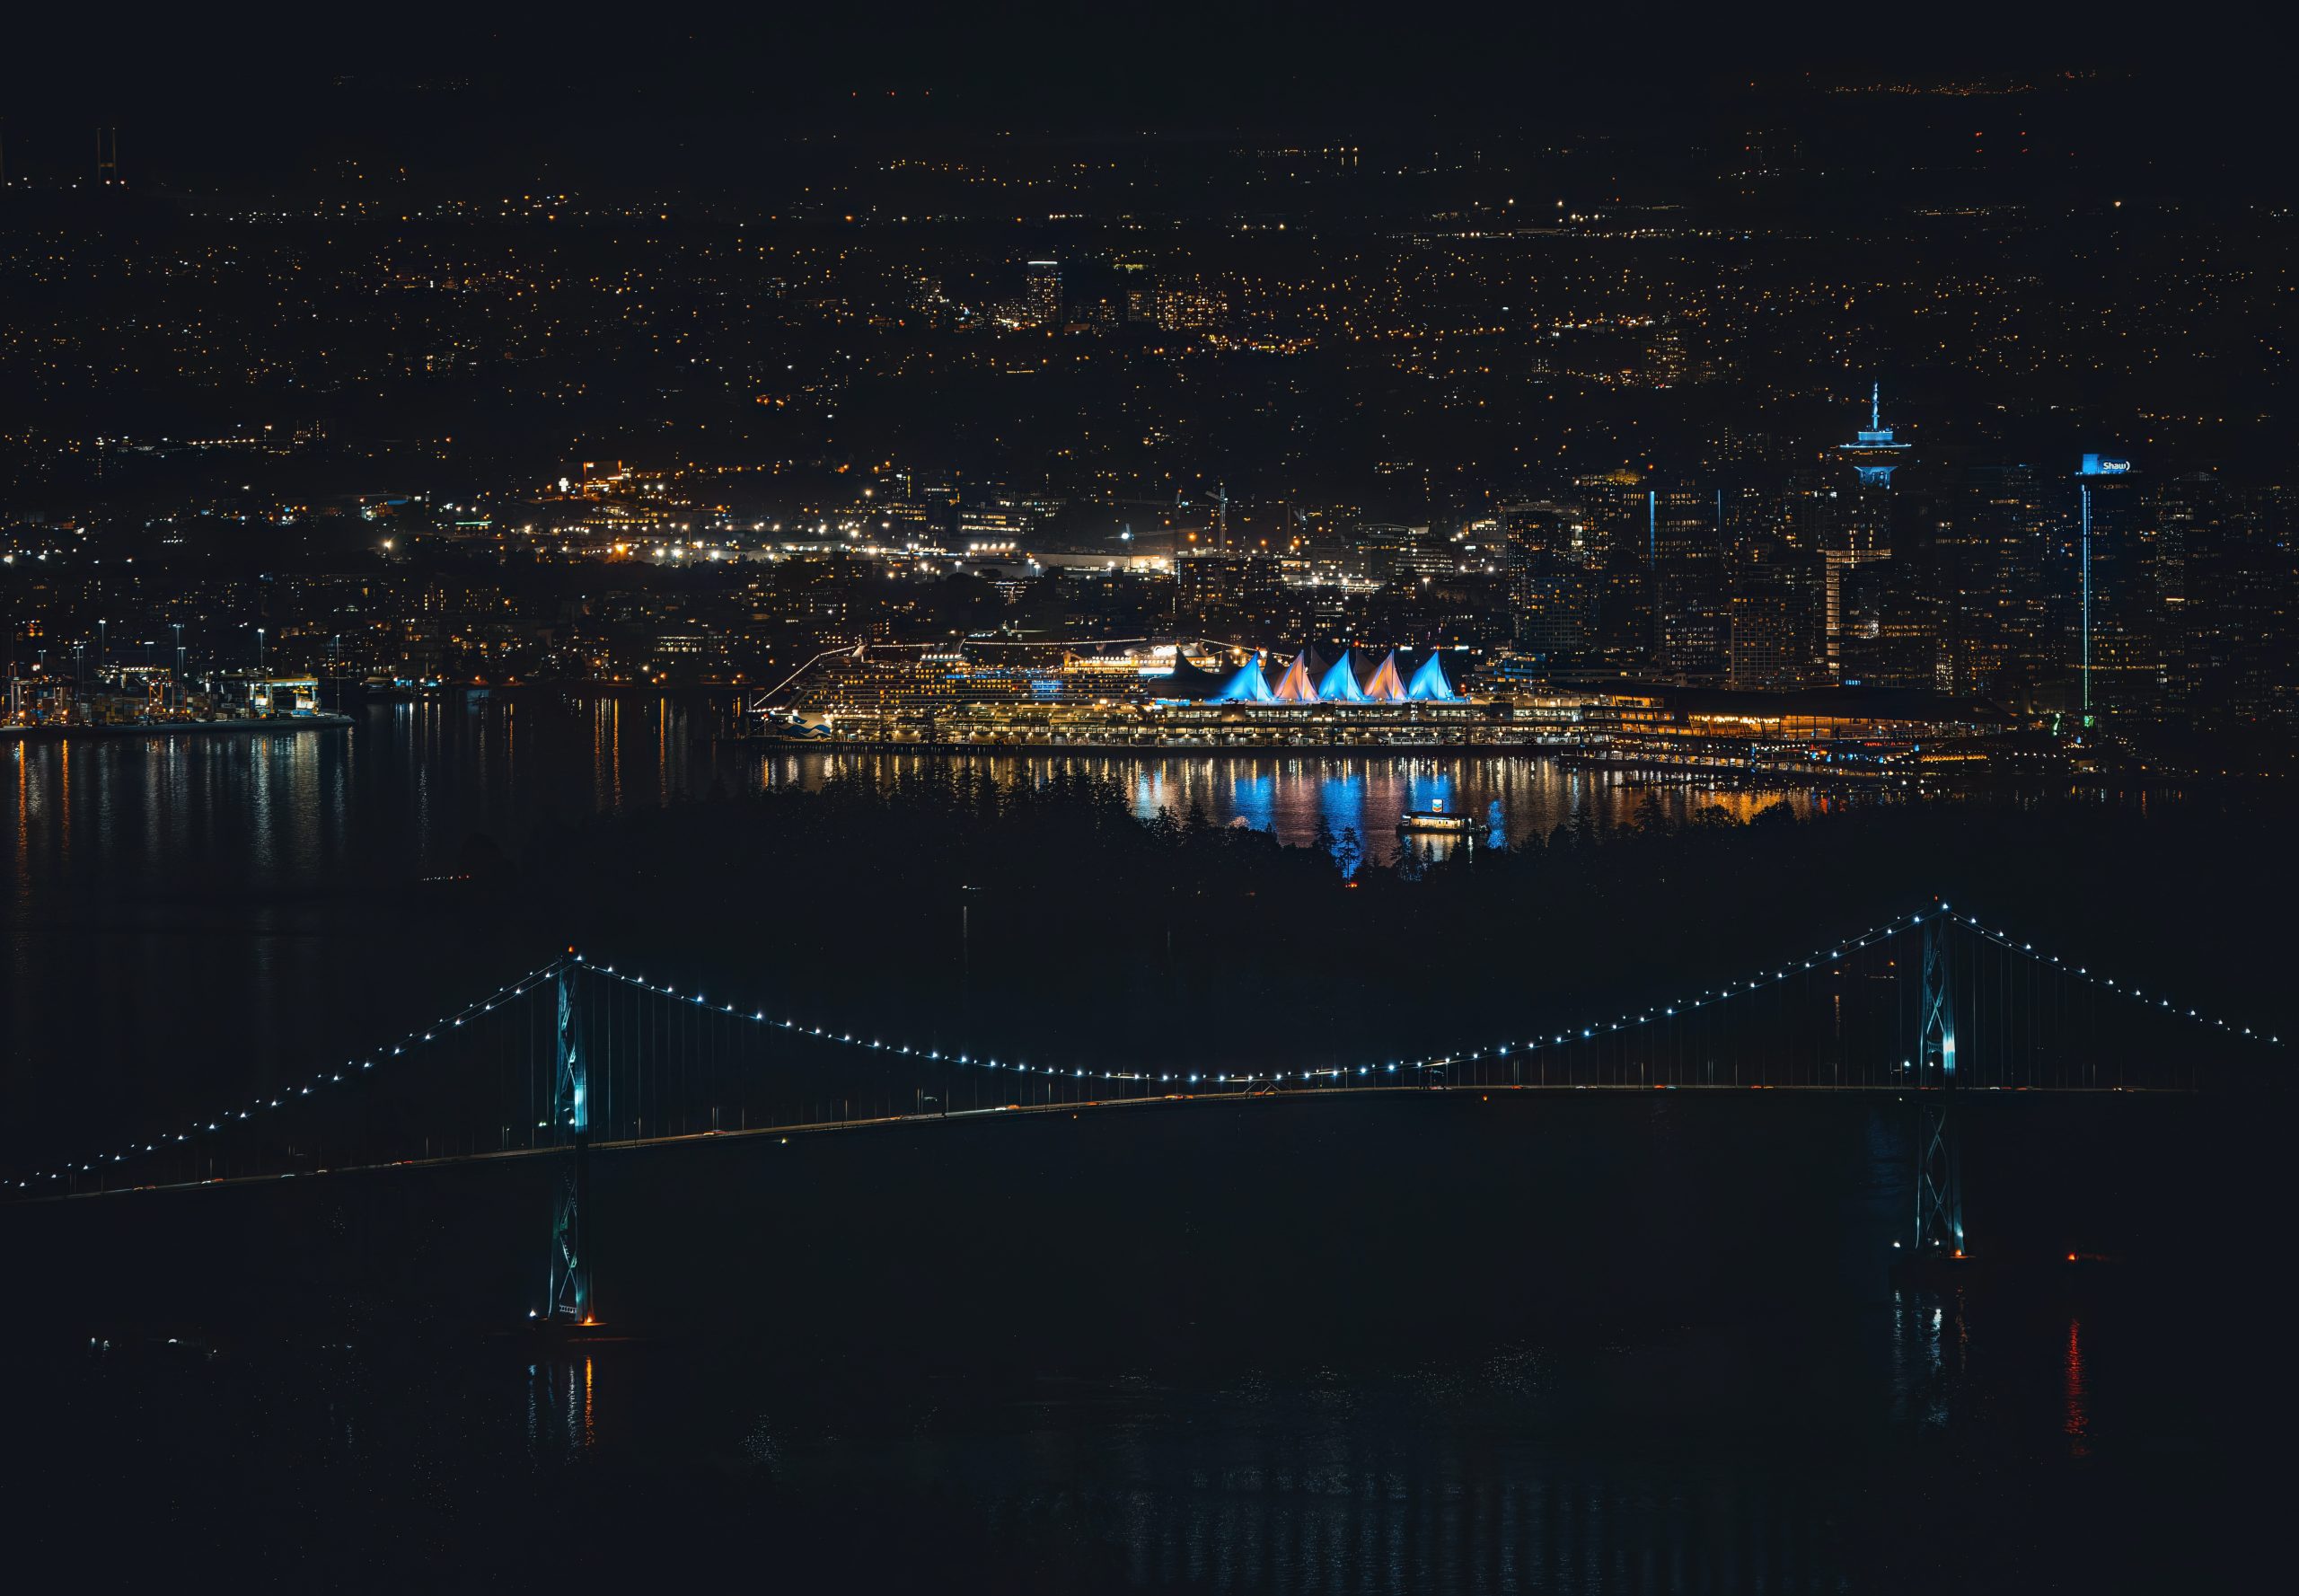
1435, 818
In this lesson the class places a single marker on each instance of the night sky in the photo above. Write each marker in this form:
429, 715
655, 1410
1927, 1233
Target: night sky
627, 98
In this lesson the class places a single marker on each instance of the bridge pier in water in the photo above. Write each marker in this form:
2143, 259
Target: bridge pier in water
1939, 1161
1932, 1008
569, 1300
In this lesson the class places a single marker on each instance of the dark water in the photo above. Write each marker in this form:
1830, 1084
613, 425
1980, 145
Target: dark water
1421, 1344
1293, 796
407, 785
190, 918
1995, 1446
1572, 1344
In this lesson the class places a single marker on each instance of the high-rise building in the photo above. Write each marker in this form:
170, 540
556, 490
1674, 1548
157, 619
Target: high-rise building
1136, 292
1226, 592
2001, 557
1775, 611
1616, 509
1042, 294
1686, 563
2194, 519
1552, 592
2118, 653
1390, 551
1891, 635
1860, 530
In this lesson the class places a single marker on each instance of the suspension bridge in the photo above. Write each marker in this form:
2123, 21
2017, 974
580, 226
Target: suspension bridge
582, 1058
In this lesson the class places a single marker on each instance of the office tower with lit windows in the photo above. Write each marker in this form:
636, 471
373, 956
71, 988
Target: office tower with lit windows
1552, 591
1860, 528
1229, 593
1775, 612
1137, 293
2117, 648
1687, 564
1999, 553
1617, 512
1041, 293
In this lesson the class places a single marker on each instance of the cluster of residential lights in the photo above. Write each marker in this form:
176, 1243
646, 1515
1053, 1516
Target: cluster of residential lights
351, 1071
1331, 1073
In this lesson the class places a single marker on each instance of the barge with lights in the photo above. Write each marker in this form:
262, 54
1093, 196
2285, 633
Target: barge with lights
1436, 818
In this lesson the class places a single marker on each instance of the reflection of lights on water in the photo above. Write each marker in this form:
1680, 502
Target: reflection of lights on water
1290, 794
2079, 1413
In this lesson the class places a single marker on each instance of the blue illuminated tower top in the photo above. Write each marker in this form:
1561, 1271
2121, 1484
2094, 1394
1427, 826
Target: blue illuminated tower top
1874, 455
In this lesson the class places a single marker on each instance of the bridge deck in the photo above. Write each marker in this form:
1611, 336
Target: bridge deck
1010, 1110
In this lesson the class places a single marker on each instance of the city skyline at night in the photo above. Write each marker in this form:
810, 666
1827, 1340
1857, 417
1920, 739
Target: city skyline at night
1254, 798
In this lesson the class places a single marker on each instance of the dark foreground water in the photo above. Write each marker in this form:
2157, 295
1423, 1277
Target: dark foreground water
1985, 1446
1410, 1343
1572, 1343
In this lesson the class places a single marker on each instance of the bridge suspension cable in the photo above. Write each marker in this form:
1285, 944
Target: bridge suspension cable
1643, 1018
2005, 940
1873, 935
1855, 1026
353, 1069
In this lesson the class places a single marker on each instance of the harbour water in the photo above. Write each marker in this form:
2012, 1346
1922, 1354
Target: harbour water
1873, 1457
1570, 1345
1595, 1345
1293, 795
409, 785
259, 897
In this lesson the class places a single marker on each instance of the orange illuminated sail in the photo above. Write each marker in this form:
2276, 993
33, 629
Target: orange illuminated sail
1294, 686
1387, 686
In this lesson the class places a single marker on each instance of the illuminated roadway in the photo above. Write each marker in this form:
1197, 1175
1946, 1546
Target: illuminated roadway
1008, 1110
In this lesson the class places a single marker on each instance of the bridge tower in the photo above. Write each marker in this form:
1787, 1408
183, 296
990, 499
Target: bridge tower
1939, 1174
570, 1118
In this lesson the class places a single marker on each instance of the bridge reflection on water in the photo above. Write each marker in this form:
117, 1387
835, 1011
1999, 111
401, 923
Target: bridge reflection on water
1529, 1466
1125, 1351
1593, 1338
1700, 1457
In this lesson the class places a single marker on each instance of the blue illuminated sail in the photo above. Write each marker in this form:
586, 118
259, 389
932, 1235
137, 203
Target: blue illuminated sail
1340, 686
1429, 682
1248, 686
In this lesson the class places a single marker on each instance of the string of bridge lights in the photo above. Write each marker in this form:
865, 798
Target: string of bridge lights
1335, 1074
352, 1070
1662, 1013
1658, 1014
1819, 958
1330, 1072
799, 1027
2083, 973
